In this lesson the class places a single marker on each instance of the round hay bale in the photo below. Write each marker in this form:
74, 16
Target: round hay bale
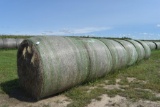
118, 52
151, 45
139, 48
131, 51
49, 65
157, 45
1, 43
9, 43
18, 41
100, 58
146, 49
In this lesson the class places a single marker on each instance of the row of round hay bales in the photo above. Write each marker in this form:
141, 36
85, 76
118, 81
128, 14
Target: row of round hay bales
49, 65
157, 45
153, 44
8, 43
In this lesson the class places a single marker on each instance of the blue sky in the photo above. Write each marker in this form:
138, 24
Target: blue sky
138, 19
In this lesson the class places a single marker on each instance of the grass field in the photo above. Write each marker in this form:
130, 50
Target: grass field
140, 81
8, 70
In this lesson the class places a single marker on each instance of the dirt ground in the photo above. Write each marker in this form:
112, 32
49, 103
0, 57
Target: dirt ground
56, 101
63, 101
19, 99
119, 101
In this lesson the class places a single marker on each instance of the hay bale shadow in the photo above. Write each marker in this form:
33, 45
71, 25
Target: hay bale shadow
13, 89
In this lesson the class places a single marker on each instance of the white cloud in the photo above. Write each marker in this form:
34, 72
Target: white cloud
76, 31
53, 33
144, 33
89, 30
148, 36
158, 25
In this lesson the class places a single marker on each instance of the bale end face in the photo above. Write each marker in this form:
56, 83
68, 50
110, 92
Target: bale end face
29, 69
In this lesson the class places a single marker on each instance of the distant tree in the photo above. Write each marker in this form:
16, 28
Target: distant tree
126, 38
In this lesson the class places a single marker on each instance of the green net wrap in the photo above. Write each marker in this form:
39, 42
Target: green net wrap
139, 48
157, 45
118, 52
146, 49
49, 65
100, 58
9, 43
53, 64
131, 51
1, 43
151, 45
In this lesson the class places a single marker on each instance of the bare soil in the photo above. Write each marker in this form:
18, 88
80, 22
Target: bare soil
23, 101
119, 101
18, 99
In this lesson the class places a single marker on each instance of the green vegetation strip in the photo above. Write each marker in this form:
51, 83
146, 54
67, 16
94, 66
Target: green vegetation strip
8, 70
16, 36
146, 72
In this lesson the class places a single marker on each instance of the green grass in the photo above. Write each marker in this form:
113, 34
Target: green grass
146, 70
16, 36
4, 105
8, 70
